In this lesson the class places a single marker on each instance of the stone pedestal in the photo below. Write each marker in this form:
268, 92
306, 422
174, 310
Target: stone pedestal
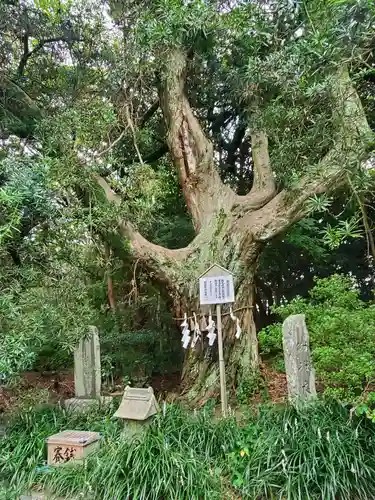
80, 404
33, 496
135, 429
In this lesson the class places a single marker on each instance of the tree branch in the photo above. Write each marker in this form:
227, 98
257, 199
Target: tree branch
28, 53
351, 144
21, 94
112, 145
110, 290
155, 155
264, 187
162, 262
149, 159
25, 43
220, 120
149, 114
191, 150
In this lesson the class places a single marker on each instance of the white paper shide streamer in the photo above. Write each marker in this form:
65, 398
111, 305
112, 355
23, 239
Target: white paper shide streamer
238, 328
185, 333
211, 335
196, 332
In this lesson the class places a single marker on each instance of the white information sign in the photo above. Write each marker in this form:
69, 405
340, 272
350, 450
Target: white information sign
216, 290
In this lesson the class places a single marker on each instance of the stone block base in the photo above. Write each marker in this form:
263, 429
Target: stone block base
78, 404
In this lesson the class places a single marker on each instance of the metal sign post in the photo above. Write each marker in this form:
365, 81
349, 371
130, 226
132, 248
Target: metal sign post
216, 287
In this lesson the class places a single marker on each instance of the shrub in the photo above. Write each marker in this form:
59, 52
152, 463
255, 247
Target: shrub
141, 353
342, 335
271, 339
248, 387
15, 356
41, 321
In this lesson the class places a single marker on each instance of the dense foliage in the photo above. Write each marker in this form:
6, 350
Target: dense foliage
55, 270
89, 170
342, 335
315, 452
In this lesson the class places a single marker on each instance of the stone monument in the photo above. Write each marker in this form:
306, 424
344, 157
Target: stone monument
298, 366
87, 369
87, 372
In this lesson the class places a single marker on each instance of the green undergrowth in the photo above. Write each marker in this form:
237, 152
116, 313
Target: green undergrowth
342, 336
321, 451
316, 452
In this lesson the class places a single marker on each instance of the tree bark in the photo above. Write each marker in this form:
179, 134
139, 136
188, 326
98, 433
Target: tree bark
191, 150
200, 377
239, 253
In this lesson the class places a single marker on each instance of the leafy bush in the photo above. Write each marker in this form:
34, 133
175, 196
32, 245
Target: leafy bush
15, 356
313, 452
248, 387
41, 322
140, 354
140, 339
342, 335
271, 339
43, 315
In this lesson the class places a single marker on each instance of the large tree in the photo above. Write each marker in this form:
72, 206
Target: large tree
252, 104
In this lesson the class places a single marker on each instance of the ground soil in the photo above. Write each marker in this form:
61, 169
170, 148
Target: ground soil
275, 384
55, 387
60, 386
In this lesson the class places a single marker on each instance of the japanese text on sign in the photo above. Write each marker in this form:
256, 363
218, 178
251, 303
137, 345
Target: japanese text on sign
63, 455
216, 290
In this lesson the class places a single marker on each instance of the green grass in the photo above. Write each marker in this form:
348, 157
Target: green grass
315, 452
23, 449
176, 459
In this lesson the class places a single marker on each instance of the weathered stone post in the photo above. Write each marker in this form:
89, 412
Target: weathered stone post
87, 373
87, 369
299, 370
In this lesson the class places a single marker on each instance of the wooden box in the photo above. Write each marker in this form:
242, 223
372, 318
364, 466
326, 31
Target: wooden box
71, 446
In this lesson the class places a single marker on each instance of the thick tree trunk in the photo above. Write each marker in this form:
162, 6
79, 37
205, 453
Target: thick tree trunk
239, 253
200, 377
